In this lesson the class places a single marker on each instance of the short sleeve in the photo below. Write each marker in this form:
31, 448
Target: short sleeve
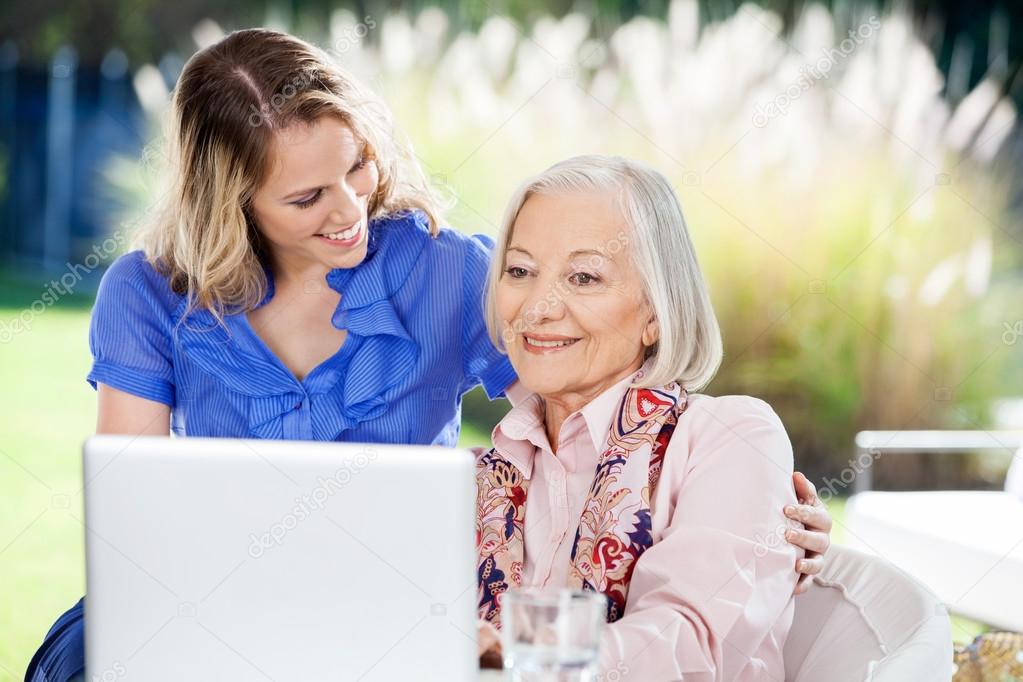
482, 362
129, 332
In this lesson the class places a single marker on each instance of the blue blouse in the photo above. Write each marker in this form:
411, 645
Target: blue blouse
416, 342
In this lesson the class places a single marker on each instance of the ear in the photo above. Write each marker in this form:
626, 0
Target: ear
652, 332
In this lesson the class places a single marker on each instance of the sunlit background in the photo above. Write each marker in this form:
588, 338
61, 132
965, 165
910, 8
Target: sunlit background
849, 173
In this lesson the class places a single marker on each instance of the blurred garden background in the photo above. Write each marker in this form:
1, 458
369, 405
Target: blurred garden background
850, 172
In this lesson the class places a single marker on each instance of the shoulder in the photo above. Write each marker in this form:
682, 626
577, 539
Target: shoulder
450, 253
730, 408
469, 255
132, 277
474, 250
408, 233
456, 238
135, 270
130, 267
448, 241
733, 428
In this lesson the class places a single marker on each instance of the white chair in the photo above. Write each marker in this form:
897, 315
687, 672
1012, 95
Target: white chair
865, 620
965, 545
862, 620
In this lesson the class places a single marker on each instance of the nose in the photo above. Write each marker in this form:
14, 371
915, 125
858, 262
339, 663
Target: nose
347, 208
544, 302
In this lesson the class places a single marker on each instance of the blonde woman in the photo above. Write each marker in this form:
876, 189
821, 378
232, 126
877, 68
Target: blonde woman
296, 284
615, 474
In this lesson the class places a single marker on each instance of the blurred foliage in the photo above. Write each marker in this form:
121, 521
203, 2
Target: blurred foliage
146, 29
861, 246
4, 172
859, 241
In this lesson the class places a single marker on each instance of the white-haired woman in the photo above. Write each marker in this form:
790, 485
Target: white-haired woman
297, 284
615, 475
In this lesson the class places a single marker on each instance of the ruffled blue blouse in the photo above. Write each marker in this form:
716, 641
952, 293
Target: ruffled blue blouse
416, 342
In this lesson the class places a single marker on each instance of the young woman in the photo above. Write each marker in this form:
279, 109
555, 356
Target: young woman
296, 282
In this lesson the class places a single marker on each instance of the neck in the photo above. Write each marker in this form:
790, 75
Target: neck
558, 407
291, 272
556, 411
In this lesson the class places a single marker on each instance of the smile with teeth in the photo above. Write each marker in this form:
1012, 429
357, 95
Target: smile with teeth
340, 236
560, 343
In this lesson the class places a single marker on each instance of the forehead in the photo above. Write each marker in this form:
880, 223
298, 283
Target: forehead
558, 224
303, 148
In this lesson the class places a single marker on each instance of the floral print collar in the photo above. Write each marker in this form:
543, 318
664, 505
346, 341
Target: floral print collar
614, 527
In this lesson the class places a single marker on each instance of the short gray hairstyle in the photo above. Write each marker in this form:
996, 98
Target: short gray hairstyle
688, 349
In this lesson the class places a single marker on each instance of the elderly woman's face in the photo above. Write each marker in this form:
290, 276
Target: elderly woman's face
574, 315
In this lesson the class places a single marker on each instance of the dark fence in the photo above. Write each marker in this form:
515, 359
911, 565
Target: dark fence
59, 129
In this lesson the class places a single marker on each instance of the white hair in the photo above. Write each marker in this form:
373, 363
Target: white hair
688, 349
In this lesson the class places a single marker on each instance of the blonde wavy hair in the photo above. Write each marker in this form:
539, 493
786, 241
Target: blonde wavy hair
688, 349
231, 99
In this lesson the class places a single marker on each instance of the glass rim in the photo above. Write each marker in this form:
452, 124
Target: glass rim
553, 596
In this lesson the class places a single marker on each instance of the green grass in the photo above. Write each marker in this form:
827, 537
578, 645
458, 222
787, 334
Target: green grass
49, 410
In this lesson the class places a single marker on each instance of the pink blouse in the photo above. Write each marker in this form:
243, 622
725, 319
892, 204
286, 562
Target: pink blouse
712, 598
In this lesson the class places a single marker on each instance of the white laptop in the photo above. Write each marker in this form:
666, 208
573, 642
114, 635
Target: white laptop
221, 559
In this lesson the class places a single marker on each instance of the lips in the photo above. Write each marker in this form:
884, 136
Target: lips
543, 344
347, 237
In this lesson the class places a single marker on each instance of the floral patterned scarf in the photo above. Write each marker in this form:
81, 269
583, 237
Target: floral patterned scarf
614, 527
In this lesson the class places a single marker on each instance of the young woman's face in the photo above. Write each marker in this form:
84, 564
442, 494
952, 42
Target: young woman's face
312, 206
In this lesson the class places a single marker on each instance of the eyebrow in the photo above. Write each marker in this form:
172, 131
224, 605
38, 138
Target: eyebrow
577, 252
303, 192
588, 252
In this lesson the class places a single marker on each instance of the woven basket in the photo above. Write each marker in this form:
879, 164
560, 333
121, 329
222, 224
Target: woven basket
992, 657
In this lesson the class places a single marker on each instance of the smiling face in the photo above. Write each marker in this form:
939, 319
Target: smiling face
574, 317
312, 207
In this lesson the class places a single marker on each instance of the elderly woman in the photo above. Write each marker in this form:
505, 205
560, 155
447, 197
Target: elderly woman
615, 475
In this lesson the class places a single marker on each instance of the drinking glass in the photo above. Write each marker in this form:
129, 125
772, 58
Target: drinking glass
551, 635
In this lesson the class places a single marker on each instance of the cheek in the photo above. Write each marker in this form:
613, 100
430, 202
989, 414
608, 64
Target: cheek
303, 222
506, 302
614, 322
368, 181
285, 222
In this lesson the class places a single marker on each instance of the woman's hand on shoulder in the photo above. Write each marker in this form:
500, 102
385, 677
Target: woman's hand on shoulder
815, 537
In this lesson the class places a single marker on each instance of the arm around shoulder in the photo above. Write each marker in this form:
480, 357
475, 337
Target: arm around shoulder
708, 598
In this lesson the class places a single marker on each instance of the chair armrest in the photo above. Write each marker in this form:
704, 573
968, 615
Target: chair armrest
876, 443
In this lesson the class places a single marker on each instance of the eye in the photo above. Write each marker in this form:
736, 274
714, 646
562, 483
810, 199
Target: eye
313, 198
583, 278
516, 272
359, 165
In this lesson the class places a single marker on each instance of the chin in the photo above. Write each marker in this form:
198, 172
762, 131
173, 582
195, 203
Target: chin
350, 258
539, 380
